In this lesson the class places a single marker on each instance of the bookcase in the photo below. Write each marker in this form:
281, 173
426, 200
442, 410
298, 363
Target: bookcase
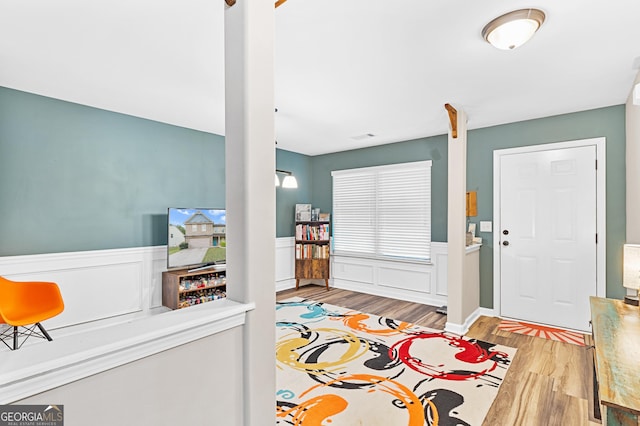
181, 288
312, 251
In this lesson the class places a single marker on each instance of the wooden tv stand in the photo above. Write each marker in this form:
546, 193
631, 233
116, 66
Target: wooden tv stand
181, 288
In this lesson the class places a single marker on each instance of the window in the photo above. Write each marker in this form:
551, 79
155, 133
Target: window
384, 211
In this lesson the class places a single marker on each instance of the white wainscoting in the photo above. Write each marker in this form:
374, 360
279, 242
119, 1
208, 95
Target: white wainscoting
114, 285
120, 284
423, 283
415, 282
96, 285
104, 291
285, 263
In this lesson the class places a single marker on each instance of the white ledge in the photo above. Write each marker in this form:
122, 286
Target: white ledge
39, 367
473, 247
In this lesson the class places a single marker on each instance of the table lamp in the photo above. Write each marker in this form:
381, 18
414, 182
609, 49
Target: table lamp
631, 273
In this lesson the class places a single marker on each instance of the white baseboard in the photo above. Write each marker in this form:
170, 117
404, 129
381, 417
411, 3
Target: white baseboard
487, 312
462, 329
285, 284
457, 329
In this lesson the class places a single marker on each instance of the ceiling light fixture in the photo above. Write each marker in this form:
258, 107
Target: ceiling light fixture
513, 29
289, 180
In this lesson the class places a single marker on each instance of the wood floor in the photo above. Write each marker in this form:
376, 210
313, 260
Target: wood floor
548, 383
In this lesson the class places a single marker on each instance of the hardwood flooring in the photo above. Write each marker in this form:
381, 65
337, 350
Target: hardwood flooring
548, 383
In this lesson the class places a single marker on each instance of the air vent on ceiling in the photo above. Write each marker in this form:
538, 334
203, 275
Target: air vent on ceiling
363, 137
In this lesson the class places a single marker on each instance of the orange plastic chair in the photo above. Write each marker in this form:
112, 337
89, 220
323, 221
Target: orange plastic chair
27, 303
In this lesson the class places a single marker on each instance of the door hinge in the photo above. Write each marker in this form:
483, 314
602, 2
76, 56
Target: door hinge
596, 238
596, 164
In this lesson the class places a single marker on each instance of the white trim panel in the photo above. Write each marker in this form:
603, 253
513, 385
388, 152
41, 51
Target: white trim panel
285, 263
415, 282
95, 285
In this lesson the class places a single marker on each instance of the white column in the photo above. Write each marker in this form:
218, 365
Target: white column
632, 160
456, 223
250, 195
633, 167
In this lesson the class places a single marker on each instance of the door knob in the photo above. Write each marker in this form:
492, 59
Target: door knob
505, 232
505, 243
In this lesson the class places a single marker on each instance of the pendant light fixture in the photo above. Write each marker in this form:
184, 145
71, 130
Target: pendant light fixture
289, 180
513, 29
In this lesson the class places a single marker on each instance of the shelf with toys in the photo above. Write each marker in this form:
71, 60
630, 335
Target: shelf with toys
181, 288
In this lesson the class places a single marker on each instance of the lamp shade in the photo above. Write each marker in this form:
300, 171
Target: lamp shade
289, 182
513, 29
631, 274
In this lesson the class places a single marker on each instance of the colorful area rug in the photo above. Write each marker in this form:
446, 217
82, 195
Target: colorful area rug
545, 332
341, 367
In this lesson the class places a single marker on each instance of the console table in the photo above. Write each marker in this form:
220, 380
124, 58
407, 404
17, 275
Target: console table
616, 336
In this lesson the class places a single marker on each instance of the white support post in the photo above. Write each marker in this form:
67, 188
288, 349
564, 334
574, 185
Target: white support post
456, 224
250, 195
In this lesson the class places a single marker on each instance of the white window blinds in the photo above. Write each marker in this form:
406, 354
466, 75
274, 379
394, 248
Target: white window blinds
383, 211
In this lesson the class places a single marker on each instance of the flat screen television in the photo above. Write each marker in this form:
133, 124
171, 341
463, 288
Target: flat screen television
197, 238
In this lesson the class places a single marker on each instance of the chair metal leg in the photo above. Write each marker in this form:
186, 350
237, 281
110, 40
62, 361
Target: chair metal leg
44, 331
12, 334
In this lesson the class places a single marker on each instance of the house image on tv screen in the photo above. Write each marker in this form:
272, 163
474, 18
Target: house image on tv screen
196, 237
200, 231
176, 236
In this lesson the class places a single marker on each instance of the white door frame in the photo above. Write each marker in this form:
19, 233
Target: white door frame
601, 207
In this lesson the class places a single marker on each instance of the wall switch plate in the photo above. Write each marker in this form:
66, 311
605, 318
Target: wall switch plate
485, 226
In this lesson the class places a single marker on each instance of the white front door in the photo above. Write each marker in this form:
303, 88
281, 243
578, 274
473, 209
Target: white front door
548, 250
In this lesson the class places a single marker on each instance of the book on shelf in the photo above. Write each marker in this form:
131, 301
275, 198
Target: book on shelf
312, 251
305, 232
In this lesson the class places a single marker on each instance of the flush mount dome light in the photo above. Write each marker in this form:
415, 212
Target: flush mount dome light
513, 29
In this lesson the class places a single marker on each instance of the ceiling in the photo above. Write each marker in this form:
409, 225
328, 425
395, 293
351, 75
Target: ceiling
344, 69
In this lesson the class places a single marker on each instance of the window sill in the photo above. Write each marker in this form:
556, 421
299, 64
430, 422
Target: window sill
45, 365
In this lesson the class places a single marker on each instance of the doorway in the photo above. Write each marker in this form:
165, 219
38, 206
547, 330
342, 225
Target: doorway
549, 232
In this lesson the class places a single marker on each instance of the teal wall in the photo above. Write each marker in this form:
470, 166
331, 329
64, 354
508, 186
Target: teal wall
75, 178
434, 148
608, 122
287, 198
